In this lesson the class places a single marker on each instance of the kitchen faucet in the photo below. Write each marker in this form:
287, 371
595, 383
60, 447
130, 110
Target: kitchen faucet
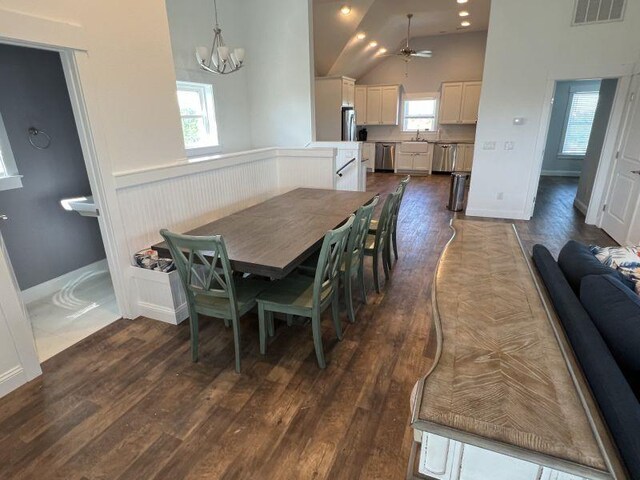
417, 135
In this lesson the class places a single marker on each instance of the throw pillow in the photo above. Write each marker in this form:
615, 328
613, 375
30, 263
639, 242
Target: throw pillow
624, 259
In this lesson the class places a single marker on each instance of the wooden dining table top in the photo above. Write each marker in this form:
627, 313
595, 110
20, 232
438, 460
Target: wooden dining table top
273, 237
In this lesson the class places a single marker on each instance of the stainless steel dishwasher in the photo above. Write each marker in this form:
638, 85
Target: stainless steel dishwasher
444, 157
385, 157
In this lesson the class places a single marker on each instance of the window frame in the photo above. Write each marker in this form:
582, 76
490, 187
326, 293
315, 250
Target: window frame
10, 179
207, 97
408, 97
572, 93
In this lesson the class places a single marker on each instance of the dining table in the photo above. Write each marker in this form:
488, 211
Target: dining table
273, 237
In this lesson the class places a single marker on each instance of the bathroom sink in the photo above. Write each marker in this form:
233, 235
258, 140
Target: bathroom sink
85, 206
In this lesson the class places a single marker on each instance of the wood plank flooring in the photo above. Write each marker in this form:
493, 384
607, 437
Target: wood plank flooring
127, 403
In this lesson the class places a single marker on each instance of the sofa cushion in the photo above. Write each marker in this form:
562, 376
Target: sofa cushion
617, 401
615, 310
576, 262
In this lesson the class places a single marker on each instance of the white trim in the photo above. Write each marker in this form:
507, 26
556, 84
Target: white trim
490, 213
420, 96
581, 206
164, 314
10, 182
12, 379
560, 173
55, 284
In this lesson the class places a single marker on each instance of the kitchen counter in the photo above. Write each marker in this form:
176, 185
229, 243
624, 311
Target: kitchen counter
467, 141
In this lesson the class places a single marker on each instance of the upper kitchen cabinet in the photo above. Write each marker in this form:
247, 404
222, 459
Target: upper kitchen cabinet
459, 102
377, 104
332, 94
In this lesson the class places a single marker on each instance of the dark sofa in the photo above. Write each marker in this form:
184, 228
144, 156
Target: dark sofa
600, 313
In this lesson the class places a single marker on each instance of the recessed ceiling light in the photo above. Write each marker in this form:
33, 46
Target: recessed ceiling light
361, 36
373, 44
465, 24
345, 10
382, 50
464, 13
463, 1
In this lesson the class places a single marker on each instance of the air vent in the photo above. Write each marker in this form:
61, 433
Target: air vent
598, 11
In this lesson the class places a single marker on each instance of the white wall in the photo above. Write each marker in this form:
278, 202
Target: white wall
191, 24
530, 43
279, 68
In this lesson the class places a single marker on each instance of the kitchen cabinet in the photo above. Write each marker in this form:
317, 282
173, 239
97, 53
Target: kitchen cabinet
414, 157
369, 155
459, 102
377, 104
464, 157
348, 92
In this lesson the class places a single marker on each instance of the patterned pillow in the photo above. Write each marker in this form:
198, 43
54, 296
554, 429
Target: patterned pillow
624, 259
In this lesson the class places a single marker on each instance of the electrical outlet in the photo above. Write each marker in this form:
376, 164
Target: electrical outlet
489, 146
509, 145
500, 196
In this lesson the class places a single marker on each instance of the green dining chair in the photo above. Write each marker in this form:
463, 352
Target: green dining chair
308, 296
393, 241
377, 244
210, 285
353, 264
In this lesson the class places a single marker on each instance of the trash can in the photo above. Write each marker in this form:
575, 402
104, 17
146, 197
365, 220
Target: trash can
457, 191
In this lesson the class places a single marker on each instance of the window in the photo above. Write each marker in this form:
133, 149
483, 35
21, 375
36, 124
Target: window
579, 121
419, 112
197, 111
9, 177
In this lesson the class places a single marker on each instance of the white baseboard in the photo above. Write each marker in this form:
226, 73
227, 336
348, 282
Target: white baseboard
12, 379
489, 213
583, 207
55, 284
560, 173
163, 314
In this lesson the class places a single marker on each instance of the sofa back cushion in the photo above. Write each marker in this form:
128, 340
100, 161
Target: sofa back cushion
615, 311
576, 262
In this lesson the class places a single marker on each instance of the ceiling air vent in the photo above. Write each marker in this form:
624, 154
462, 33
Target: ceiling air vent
598, 11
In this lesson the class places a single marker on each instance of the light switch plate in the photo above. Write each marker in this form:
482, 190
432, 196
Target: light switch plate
509, 145
489, 146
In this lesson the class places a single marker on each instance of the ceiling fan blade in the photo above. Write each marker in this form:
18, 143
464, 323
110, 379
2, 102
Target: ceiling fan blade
423, 54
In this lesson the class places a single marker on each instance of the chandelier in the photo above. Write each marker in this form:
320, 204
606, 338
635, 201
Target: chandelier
220, 59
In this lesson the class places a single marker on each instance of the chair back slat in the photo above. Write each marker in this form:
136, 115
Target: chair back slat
359, 232
331, 255
203, 265
386, 217
402, 187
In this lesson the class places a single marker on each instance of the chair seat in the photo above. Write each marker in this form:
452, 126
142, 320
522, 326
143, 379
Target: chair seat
247, 289
369, 243
373, 226
295, 290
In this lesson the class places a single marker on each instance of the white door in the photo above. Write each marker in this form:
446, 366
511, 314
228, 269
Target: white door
18, 357
451, 102
360, 102
621, 219
390, 106
470, 102
374, 105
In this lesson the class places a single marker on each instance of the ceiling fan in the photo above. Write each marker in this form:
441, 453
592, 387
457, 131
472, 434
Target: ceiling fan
407, 52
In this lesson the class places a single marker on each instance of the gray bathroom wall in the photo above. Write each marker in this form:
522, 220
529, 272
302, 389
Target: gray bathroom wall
44, 240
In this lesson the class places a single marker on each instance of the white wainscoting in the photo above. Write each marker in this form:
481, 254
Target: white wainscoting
183, 196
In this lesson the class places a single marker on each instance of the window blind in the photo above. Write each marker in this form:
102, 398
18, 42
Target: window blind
580, 122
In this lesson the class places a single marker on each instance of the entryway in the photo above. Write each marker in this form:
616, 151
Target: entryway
50, 230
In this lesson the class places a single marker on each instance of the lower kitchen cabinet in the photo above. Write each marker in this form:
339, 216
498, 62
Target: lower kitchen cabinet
369, 155
414, 157
464, 158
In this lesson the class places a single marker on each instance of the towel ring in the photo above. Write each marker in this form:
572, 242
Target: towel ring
34, 133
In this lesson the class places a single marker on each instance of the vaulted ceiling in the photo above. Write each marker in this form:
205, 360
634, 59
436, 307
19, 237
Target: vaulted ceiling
339, 52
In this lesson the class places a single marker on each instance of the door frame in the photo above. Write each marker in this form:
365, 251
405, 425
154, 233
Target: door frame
623, 73
69, 40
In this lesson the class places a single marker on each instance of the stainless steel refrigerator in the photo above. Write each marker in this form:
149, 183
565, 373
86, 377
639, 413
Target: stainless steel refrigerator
348, 124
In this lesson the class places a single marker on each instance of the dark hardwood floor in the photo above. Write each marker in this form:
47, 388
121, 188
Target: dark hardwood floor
127, 403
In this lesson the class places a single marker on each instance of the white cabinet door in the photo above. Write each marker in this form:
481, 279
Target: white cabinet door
437, 455
348, 92
374, 105
421, 162
390, 106
368, 154
451, 102
360, 103
470, 102
404, 161
464, 158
